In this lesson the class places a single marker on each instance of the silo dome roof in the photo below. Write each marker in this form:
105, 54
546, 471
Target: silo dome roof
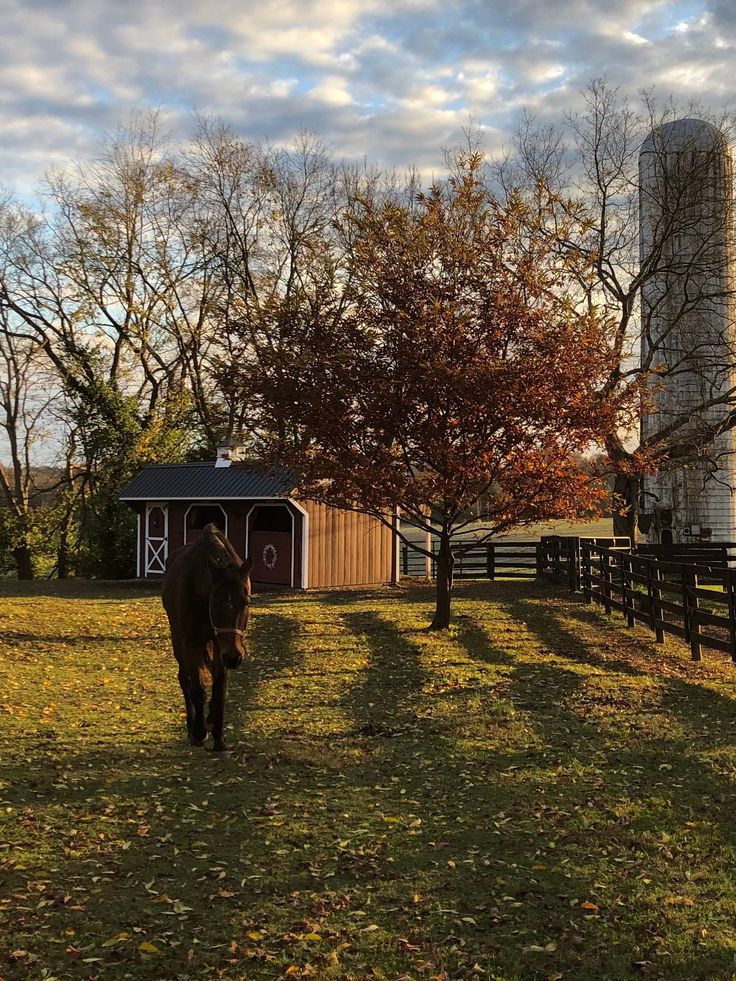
682, 134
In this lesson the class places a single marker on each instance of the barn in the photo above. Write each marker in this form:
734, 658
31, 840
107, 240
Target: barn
293, 544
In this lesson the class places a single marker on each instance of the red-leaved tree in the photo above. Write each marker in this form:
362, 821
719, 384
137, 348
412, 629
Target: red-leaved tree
461, 381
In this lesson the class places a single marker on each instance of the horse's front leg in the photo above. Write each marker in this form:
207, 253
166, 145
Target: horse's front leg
217, 705
198, 730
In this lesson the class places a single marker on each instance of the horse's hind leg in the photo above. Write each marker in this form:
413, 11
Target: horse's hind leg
188, 704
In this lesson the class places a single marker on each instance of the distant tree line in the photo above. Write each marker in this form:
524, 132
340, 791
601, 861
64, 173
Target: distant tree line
160, 297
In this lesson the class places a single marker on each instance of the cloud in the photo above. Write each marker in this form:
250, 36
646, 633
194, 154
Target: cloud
393, 80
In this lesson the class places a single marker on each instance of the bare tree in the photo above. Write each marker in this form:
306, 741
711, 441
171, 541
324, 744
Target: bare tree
110, 278
110, 284
280, 253
26, 395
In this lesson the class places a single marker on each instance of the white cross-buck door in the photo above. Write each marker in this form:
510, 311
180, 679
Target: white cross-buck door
157, 538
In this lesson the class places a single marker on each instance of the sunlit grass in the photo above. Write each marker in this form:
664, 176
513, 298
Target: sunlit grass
538, 793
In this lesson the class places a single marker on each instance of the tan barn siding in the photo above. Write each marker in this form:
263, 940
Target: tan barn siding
356, 552
337, 546
346, 548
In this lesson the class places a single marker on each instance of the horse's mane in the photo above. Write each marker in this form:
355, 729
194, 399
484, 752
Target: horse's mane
212, 548
219, 546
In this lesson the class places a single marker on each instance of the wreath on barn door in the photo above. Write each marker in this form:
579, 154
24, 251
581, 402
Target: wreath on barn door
270, 556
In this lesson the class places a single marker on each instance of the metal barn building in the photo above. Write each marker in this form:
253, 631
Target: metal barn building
297, 544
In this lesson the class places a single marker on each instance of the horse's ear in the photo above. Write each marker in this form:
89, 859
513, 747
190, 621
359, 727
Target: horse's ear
245, 568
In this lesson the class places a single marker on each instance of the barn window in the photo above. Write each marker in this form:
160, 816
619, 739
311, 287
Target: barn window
271, 518
198, 516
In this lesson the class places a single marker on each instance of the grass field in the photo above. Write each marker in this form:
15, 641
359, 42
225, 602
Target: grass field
601, 528
539, 794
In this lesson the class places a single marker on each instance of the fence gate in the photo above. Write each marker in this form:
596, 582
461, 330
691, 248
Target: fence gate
157, 538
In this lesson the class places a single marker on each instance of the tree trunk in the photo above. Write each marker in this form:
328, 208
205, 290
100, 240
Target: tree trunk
626, 507
23, 561
445, 563
63, 564
625, 495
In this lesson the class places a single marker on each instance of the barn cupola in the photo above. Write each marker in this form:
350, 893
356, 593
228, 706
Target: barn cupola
229, 451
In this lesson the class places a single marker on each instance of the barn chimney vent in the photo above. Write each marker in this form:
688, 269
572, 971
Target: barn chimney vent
229, 451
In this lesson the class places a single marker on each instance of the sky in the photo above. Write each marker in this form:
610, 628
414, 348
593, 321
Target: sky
394, 81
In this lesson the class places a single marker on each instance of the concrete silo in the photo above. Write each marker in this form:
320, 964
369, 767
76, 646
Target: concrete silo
686, 243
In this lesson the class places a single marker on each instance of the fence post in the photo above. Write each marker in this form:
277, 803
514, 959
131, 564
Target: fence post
685, 603
654, 575
606, 577
731, 585
491, 561
627, 592
573, 564
692, 583
587, 572
542, 555
539, 568
618, 561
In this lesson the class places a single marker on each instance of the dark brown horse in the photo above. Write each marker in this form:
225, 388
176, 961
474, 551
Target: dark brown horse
206, 595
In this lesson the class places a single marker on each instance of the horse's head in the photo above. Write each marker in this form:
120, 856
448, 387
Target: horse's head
229, 605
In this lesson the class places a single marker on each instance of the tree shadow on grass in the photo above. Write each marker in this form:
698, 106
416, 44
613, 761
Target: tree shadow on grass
22, 637
383, 704
619, 651
88, 589
598, 789
459, 796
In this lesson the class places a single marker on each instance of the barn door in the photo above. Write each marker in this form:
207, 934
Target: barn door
157, 538
271, 552
271, 544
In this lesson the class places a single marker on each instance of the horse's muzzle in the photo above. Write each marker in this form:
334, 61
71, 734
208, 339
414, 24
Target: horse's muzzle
232, 661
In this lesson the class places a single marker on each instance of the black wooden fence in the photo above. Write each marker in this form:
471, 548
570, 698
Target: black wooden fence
553, 555
490, 560
666, 595
720, 554
562, 556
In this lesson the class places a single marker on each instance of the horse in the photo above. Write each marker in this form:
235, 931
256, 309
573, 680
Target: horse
206, 595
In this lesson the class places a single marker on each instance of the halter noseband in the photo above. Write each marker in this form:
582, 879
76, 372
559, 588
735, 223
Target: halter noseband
223, 630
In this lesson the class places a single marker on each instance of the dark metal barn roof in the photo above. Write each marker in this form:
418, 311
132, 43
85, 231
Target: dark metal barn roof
204, 482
